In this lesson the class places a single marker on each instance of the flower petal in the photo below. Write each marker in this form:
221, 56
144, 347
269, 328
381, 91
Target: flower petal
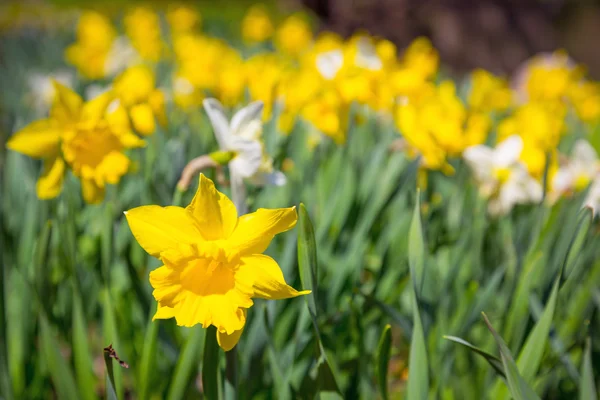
158, 229
67, 104
508, 152
163, 312
95, 109
248, 159
50, 183
217, 118
228, 341
480, 158
143, 119
266, 278
38, 139
214, 213
92, 193
254, 231
247, 122
112, 167
584, 153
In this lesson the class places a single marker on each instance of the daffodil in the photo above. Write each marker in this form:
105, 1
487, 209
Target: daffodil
294, 36
142, 26
501, 177
488, 92
213, 261
241, 140
95, 36
135, 88
183, 19
256, 25
578, 172
86, 138
42, 88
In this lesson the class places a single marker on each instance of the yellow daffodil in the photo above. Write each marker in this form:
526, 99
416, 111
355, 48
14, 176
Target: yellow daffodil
83, 137
256, 25
183, 19
89, 54
437, 125
213, 261
328, 113
294, 36
142, 26
135, 88
541, 126
488, 92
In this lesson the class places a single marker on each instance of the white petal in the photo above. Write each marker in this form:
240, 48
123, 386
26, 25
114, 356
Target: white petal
508, 152
367, 57
275, 178
219, 122
480, 159
238, 192
247, 122
329, 63
563, 180
248, 158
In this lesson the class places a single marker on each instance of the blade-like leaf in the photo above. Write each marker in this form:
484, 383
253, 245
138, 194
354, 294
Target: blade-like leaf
148, 359
516, 384
587, 387
307, 258
60, 371
81, 351
210, 365
416, 248
494, 361
188, 362
383, 359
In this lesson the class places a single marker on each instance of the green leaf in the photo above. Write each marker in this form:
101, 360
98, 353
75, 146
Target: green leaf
587, 387
383, 359
494, 361
307, 259
516, 384
188, 362
418, 378
416, 249
210, 365
111, 394
81, 351
60, 371
530, 356
147, 362
111, 338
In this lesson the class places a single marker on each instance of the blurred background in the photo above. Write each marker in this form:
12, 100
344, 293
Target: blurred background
497, 35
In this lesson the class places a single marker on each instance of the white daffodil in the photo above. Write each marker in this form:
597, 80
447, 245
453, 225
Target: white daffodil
501, 177
121, 55
366, 55
592, 200
242, 138
577, 173
329, 63
42, 89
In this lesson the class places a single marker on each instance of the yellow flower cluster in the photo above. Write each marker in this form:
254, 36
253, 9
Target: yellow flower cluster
136, 89
142, 26
88, 138
90, 53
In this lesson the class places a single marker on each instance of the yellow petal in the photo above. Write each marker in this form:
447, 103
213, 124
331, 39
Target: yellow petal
255, 231
67, 104
266, 278
95, 109
50, 183
158, 229
92, 193
143, 119
228, 342
157, 102
163, 312
112, 167
38, 139
215, 213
